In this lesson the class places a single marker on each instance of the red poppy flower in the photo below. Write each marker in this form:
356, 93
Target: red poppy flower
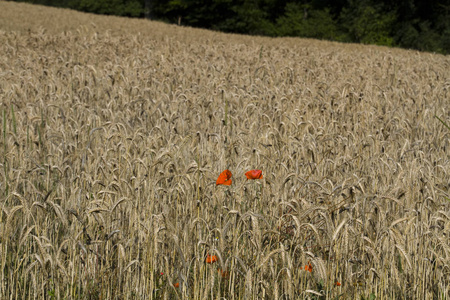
224, 178
308, 267
254, 174
210, 259
176, 284
223, 274
337, 283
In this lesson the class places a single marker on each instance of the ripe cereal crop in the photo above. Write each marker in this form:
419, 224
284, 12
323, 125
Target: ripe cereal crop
115, 132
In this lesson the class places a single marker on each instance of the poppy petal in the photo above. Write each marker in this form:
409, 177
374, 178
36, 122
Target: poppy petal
308, 267
210, 259
254, 174
224, 178
223, 274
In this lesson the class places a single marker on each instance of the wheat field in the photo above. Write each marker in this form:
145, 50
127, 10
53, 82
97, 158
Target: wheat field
114, 131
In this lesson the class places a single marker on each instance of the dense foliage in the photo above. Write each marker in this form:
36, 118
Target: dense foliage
416, 24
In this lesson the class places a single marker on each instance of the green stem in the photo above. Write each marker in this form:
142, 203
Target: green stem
445, 124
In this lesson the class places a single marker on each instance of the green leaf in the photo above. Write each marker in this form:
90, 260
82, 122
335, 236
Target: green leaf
445, 124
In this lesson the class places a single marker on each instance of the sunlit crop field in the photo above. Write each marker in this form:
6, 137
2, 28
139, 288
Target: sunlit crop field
114, 132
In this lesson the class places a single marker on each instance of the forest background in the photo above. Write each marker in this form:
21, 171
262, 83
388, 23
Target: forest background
413, 24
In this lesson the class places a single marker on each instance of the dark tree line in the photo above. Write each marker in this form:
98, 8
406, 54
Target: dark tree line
415, 24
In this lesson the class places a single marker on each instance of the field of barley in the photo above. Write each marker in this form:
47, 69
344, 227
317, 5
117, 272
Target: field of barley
114, 132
